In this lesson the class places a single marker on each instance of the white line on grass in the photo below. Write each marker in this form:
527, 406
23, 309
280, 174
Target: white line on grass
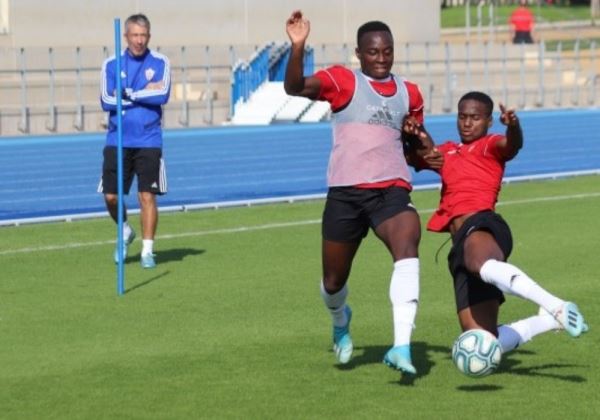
269, 226
167, 236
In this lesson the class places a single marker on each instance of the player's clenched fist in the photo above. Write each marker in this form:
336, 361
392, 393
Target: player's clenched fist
297, 27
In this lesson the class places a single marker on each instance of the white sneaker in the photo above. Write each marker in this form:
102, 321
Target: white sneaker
569, 318
126, 243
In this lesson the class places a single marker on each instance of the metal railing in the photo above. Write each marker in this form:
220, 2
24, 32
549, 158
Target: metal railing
56, 90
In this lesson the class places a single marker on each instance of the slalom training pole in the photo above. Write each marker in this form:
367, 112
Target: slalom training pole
120, 265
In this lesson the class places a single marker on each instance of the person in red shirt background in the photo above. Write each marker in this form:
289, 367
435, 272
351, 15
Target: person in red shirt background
471, 173
522, 22
368, 177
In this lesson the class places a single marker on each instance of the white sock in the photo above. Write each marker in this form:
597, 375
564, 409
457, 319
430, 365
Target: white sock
336, 304
513, 335
404, 295
147, 245
126, 230
510, 279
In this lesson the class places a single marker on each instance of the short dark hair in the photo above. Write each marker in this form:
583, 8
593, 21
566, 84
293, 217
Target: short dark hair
371, 26
138, 19
479, 97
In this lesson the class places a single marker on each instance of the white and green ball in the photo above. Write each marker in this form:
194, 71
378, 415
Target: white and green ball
477, 353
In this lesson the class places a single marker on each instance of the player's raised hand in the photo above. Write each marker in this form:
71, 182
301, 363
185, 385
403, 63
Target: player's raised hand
513, 141
297, 27
508, 117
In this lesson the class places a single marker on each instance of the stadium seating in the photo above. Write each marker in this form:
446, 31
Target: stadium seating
318, 111
262, 106
270, 104
258, 96
294, 107
55, 90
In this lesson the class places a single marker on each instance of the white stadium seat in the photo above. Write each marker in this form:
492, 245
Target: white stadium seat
318, 111
262, 106
293, 108
271, 104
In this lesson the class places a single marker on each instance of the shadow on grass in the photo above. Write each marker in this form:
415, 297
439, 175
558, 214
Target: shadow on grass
510, 366
479, 388
421, 353
146, 282
420, 357
175, 254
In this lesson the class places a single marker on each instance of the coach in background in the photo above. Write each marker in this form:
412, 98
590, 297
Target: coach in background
146, 84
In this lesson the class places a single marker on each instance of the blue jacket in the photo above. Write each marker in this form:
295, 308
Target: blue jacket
142, 112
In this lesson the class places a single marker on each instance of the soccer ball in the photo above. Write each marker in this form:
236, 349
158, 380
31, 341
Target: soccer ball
476, 353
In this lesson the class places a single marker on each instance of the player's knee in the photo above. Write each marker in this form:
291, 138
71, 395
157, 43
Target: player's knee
474, 263
334, 283
470, 323
147, 199
406, 249
478, 252
110, 199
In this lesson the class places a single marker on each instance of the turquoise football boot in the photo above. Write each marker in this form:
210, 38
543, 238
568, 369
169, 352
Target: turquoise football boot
147, 261
342, 343
399, 358
571, 319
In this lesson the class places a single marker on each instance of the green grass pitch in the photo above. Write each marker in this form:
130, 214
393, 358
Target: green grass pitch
231, 325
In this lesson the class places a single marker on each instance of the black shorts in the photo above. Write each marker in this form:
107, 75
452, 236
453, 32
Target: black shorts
469, 289
350, 211
522, 37
145, 163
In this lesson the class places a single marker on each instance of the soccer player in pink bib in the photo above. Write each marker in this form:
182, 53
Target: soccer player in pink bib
368, 177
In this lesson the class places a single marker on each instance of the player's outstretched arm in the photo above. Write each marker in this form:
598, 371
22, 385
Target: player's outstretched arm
298, 28
419, 147
513, 140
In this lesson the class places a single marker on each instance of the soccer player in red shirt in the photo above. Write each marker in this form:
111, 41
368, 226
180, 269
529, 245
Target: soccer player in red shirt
471, 175
368, 177
522, 21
